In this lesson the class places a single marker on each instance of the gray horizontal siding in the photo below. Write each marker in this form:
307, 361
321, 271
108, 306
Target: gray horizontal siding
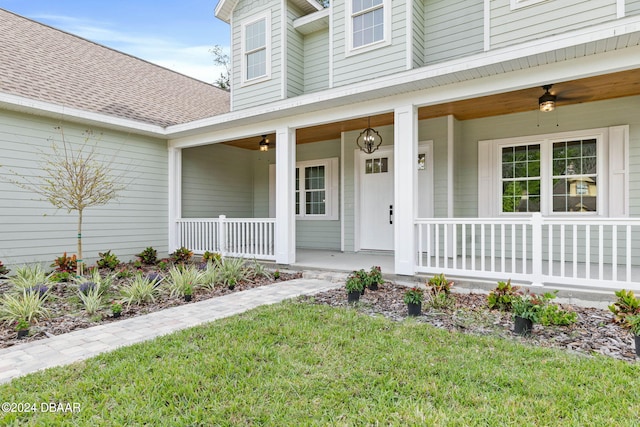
632, 7
295, 55
217, 180
545, 19
316, 61
418, 33
348, 69
244, 96
33, 231
453, 29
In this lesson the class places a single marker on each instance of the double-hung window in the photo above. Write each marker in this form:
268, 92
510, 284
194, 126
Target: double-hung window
368, 22
584, 172
316, 189
255, 50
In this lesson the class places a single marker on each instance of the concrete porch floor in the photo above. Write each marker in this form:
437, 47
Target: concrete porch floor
343, 261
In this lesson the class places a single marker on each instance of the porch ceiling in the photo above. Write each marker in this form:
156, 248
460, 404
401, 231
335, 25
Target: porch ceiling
609, 86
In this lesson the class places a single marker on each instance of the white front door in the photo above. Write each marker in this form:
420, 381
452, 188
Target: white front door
376, 200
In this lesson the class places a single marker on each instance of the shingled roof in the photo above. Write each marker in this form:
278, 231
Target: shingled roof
42, 63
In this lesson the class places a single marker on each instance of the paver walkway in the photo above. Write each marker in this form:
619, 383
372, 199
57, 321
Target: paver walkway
82, 344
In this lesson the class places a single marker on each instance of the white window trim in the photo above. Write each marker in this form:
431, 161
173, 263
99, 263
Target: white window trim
546, 157
332, 204
243, 57
517, 4
386, 40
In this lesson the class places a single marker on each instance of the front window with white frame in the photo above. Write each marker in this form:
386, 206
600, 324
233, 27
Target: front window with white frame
255, 49
316, 189
368, 23
551, 176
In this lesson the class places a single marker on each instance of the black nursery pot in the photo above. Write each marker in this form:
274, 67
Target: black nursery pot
373, 287
188, 298
353, 296
637, 339
522, 326
414, 309
22, 333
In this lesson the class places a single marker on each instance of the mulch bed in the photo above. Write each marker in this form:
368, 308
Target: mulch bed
67, 313
594, 332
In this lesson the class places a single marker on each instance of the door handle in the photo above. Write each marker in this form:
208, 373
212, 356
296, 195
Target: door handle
390, 214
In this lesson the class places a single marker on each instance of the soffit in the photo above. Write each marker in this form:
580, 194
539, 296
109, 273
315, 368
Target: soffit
610, 86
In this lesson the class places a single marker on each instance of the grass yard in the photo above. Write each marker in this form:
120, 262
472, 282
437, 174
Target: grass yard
301, 364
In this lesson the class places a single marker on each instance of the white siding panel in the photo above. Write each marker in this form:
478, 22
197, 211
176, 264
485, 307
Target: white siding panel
34, 231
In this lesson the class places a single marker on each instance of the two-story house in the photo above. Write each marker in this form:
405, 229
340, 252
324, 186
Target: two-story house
486, 139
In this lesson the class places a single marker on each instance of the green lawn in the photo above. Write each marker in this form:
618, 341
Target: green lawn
299, 364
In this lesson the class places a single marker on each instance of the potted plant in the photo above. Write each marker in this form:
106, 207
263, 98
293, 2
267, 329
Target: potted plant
526, 311
22, 326
363, 276
116, 309
354, 287
188, 292
634, 325
413, 298
375, 278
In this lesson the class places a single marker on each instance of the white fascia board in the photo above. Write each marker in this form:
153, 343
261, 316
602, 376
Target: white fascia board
422, 78
48, 109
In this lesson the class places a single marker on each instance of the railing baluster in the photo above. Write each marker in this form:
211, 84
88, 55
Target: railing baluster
420, 254
502, 249
601, 252
437, 251
493, 248
464, 246
614, 253
524, 248
513, 248
482, 249
562, 252
628, 272
575, 250
473, 247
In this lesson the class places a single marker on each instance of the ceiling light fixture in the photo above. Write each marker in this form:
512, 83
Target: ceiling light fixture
264, 143
369, 140
547, 101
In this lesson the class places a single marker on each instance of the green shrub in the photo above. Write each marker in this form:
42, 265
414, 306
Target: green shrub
29, 276
413, 296
259, 270
501, 297
354, 282
139, 290
3, 269
627, 304
65, 264
91, 299
182, 280
27, 305
440, 290
108, 260
232, 271
553, 315
211, 276
181, 255
211, 257
148, 256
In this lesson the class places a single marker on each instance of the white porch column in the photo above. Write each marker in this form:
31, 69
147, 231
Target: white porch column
285, 244
175, 195
405, 151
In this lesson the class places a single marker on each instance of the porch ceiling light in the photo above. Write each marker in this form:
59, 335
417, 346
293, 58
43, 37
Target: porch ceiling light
264, 143
369, 140
547, 102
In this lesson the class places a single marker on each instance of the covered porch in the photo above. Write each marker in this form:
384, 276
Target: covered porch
445, 210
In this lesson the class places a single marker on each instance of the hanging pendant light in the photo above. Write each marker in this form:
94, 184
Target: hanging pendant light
547, 102
369, 140
264, 143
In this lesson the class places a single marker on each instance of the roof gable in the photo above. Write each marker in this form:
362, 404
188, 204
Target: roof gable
45, 64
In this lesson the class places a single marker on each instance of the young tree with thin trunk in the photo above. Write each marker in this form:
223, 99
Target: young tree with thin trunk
74, 179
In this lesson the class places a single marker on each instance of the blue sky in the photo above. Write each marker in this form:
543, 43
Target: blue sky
176, 34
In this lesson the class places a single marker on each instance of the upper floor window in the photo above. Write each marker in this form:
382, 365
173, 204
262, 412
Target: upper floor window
255, 49
368, 22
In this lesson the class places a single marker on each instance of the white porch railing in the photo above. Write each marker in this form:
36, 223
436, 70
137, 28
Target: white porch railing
602, 253
238, 237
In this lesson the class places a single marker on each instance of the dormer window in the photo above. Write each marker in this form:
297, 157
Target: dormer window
255, 50
369, 22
